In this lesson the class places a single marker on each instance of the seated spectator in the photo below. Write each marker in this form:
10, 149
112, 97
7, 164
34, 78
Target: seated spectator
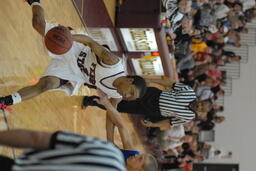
229, 56
172, 143
175, 133
175, 11
184, 31
198, 45
207, 16
204, 93
173, 162
250, 14
230, 3
213, 112
218, 154
217, 91
220, 10
186, 63
232, 38
209, 125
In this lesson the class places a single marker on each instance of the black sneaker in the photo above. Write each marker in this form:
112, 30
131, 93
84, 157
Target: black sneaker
31, 1
7, 100
89, 101
85, 102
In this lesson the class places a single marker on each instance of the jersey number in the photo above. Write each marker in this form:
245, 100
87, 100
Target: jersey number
91, 73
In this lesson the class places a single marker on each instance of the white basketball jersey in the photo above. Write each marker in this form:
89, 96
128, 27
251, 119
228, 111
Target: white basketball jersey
80, 65
99, 74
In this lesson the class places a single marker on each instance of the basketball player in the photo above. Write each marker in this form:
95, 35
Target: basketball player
86, 62
135, 161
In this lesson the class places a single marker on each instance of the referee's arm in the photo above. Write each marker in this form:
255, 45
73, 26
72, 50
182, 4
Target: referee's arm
163, 125
164, 82
20, 138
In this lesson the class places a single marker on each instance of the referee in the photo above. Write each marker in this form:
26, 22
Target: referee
162, 109
61, 151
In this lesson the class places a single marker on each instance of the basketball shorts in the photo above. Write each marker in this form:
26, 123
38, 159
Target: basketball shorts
65, 67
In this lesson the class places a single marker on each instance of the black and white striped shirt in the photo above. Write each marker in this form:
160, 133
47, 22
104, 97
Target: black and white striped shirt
175, 103
72, 152
173, 14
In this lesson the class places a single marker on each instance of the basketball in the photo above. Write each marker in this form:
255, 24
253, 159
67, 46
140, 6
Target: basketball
58, 40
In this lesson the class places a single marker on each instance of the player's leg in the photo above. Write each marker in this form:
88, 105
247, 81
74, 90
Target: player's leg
38, 20
45, 83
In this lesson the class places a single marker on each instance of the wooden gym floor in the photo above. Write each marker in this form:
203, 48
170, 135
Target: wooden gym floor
22, 62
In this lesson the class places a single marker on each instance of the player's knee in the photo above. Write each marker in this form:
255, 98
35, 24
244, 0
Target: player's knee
48, 83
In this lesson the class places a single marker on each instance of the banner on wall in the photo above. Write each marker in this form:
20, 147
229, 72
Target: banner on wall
148, 65
103, 36
139, 39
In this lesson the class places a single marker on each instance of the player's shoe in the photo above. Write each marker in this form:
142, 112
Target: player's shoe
7, 100
89, 101
5, 103
86, 102
31, 1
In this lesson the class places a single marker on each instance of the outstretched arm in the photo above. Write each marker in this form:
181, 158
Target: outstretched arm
163, 125
25, 139
110, 128
117, 119
38, 20
165, 82
106, 56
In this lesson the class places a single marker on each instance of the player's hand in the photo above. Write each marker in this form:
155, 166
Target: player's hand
146, 123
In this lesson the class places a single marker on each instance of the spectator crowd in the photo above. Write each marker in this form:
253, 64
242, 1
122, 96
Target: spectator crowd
197, 32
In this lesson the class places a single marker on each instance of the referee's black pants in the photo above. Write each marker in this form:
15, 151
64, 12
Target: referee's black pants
6, 163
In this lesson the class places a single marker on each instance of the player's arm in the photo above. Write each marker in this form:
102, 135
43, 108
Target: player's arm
110, 129
165, 82
117, 119
38, 20
163, 125
106, 56
25, 139
110, 126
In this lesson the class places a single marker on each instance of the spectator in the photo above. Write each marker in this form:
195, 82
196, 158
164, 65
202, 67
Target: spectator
175, 10
209, 125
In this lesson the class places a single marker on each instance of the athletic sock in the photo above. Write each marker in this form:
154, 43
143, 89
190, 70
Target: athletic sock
35, 3
30, 2
11, 99
16, 98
